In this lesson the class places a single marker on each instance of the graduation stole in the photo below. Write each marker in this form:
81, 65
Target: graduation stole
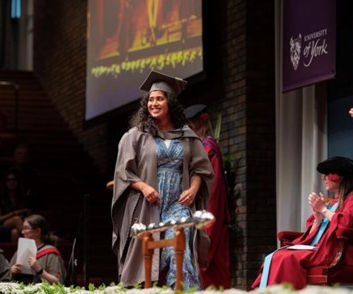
46, 252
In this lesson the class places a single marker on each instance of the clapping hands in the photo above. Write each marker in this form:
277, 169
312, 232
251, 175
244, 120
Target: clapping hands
317, 202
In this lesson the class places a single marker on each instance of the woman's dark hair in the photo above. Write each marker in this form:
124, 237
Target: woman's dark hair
145, 122
345, 188
39, 222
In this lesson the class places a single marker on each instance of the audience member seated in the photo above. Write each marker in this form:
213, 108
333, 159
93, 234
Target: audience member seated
7, 142
29, 177
331, 217
12, 209
47, 264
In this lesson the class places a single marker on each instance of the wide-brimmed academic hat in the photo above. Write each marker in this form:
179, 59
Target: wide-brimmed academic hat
193, 111
157, 81
342, 166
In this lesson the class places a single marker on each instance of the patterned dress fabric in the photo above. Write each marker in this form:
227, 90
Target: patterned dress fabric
170, 165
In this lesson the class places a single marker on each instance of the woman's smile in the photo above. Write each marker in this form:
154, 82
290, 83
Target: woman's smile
158, 105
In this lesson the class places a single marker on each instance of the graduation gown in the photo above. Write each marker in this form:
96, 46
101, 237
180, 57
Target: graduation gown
137, 161
292, 265
217, 272
4, 268
50, 260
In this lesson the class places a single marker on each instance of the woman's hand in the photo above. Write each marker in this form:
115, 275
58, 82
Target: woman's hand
148, 192
319, 207
44, 275
316, 202
187, 197
15, 269
34, 264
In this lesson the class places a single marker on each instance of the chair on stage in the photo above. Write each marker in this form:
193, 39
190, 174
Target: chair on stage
338, 272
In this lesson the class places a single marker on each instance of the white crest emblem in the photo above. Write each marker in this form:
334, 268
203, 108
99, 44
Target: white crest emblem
295, 46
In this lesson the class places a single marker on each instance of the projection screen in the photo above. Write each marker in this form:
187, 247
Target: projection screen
129, 38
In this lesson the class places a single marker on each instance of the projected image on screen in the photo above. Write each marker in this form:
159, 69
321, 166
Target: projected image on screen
129, 38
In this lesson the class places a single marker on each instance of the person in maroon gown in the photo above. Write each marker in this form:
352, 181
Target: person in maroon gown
217, 272
290, 265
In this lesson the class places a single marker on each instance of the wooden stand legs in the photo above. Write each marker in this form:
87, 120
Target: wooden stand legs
179, 247
147, 256
148, 246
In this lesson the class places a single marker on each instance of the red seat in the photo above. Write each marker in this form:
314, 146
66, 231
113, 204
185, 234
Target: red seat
337, 272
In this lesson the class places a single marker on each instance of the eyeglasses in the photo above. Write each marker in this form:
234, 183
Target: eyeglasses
27, 229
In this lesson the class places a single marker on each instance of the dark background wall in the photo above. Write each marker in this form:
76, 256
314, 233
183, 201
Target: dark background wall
238, 82
261, 196
60, 63
340, 89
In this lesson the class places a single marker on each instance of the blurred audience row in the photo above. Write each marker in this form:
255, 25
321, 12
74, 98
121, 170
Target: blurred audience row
19, 184
20, 201
8, 141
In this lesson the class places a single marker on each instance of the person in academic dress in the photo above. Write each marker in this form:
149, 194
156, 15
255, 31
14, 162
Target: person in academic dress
329, 216
47, 265
162, 173
217, 271
4, 268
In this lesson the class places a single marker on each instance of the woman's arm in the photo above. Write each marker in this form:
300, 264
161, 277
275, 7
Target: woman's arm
316, 223
127, 167
48, 277
319, 207
40, 272
327, 213
14, 270
18, 212
6, 216
149, 192
187, 197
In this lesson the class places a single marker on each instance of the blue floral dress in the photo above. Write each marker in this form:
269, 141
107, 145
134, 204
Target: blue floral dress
169, 172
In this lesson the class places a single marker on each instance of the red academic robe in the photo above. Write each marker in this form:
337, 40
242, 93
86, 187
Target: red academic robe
291, 265
217, 272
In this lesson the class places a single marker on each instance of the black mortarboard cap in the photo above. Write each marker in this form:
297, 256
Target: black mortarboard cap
342, 166
193, 111
157, 81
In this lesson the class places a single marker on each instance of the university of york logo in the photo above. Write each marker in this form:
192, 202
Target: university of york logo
295, 46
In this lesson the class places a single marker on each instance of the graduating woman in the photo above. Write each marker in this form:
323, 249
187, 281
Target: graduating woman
330, 217
162, 172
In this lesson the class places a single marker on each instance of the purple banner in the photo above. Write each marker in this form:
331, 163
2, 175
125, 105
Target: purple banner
309, 42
